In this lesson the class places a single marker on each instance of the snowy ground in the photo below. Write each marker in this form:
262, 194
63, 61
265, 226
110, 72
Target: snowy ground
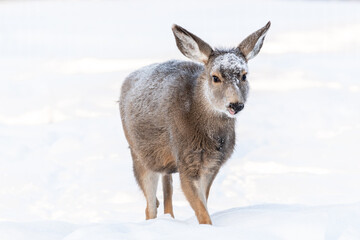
65, 170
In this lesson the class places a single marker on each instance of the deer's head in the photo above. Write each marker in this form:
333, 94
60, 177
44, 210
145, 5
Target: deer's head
226, 84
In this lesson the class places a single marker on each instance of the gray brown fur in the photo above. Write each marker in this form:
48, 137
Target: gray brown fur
177, 118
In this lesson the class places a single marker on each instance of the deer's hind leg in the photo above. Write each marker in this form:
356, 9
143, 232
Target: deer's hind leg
148, 181
168, 191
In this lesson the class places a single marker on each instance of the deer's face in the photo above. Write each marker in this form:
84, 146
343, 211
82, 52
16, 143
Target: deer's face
226, 85
226, 88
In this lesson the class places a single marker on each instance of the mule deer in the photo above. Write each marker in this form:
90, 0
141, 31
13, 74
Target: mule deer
179, 116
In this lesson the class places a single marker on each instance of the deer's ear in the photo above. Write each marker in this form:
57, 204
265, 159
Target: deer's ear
251, 45
190, 45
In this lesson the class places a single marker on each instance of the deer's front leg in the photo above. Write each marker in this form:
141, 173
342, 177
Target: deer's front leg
195, 183
196, 197
207, 181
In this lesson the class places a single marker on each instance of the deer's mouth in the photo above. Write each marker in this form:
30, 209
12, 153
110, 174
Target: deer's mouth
231, 111
234, 108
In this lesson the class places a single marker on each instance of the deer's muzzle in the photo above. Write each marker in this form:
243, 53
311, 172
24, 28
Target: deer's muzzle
234, 108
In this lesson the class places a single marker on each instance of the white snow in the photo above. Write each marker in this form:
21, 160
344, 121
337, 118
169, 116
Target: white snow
257, 222
229, 61
65, 169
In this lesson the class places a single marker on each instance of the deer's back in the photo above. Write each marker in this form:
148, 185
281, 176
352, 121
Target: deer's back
151, 98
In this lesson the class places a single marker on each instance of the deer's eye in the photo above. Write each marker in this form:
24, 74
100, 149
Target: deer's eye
216, 79
243, 78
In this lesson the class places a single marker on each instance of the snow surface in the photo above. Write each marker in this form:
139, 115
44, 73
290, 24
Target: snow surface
257, 222
65, 169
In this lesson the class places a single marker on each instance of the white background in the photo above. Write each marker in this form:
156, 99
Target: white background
63, 156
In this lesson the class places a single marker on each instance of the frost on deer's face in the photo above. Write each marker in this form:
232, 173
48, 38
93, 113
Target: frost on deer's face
229, 86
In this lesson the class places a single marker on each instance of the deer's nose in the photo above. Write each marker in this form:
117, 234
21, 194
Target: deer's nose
237, 107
